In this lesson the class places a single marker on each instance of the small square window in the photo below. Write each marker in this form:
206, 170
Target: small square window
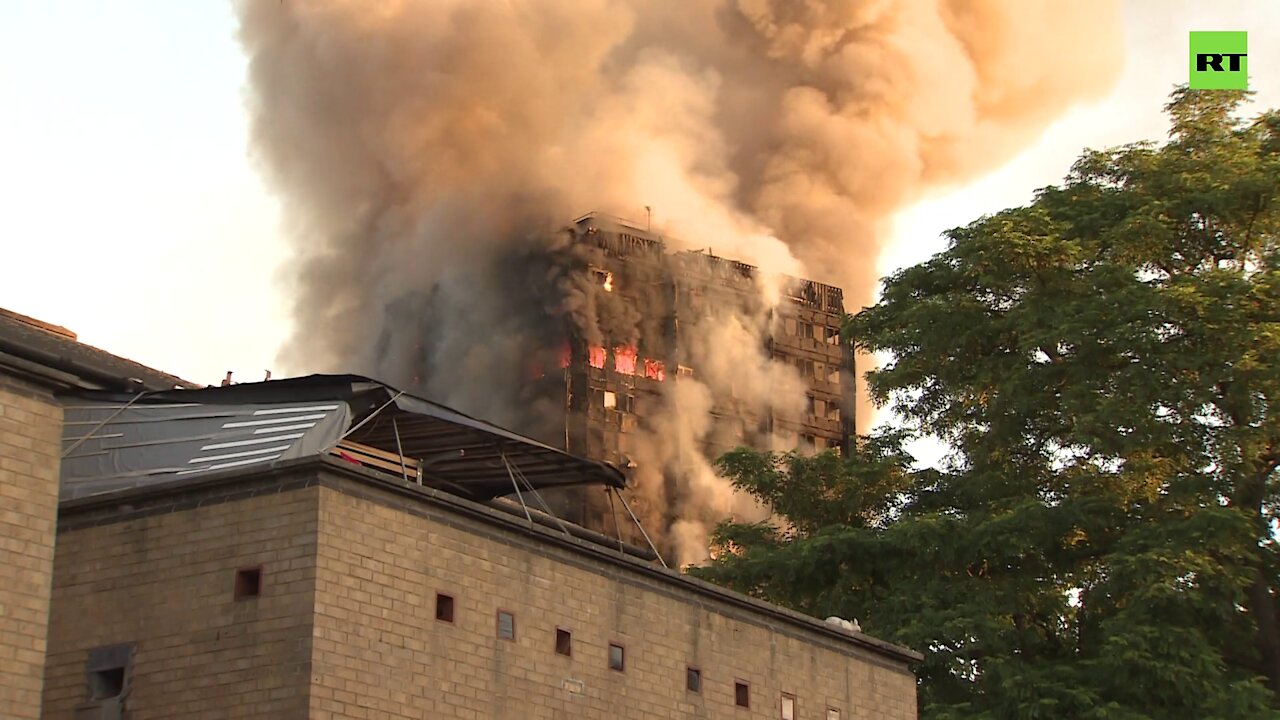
106, 683
564, 642
741, 694
506, 625
693, 679
444, 607
107, 671
617, 657
248, 583
788, 707
833, 714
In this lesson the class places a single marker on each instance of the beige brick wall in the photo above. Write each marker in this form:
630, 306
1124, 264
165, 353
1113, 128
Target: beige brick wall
165, 582
30, 437
380, 653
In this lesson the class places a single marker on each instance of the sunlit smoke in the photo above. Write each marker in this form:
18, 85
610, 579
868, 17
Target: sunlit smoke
427, 152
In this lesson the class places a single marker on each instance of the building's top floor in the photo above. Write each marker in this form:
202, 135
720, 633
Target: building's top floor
624, 238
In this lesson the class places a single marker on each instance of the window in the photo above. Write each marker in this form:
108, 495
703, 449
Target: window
248, 583
107, 671
617, 657
444, 607
833, 714
741, 693
610, 399
788, 707
693, 679
107, 683
506, 625
564, 642
806, 330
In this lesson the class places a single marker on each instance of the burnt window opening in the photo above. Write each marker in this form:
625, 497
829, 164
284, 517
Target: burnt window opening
741, 693
693, 679
564, 642
248, 583
617, 657
506, 625
806, 330
107, 671
444, 607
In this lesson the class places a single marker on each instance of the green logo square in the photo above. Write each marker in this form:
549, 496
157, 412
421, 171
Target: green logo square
1219, 60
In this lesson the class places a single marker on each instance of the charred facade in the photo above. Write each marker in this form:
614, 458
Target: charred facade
637, 322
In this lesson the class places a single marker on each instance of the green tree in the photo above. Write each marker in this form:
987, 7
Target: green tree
1103, 364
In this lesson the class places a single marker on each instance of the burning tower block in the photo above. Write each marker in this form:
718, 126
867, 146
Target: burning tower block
646, 326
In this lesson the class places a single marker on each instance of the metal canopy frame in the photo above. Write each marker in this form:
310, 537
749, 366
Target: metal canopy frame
457, 452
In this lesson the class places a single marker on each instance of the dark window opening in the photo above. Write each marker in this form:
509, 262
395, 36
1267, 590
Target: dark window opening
617, 658
741, 694
506, 625
107, 683
107, 671
693, 679
564, 642
248, 583
444, 607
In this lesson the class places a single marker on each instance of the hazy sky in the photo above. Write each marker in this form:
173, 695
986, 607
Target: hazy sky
133, 214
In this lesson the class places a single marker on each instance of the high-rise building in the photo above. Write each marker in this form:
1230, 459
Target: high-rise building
616, 364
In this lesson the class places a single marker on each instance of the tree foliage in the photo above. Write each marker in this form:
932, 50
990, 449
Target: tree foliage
1103, 365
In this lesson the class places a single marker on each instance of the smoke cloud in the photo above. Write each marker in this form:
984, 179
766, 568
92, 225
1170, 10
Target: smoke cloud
427, 153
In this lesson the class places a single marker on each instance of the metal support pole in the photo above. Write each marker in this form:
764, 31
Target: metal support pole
99, 426
404, 471
636, 520
516, 485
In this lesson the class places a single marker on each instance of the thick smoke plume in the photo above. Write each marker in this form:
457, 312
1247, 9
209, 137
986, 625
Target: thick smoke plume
427, 152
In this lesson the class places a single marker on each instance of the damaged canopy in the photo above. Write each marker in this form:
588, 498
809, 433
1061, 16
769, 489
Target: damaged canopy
113, 441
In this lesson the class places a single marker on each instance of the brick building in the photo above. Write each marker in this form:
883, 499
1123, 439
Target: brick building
38, 360
329, 547
351, 559
319, 589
